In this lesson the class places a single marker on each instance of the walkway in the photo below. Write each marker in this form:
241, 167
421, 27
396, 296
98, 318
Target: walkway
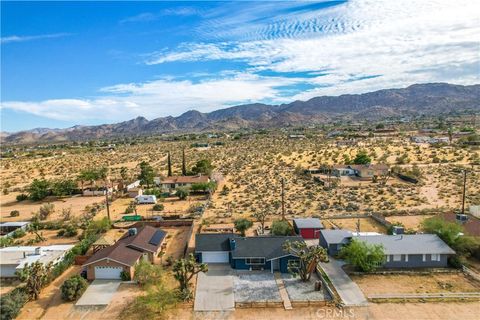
99, 293
348, 290
287, 304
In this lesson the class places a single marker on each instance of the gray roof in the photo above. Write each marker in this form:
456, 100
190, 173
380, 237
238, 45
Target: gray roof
336, 236
409, 244
213, 241
305, 223
270, 247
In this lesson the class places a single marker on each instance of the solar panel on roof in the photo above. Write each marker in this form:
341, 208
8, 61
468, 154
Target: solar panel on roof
157, 238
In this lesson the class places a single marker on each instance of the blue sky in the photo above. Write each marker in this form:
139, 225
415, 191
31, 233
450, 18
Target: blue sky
68, 63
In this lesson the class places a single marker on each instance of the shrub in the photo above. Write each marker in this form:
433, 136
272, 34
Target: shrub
182, 193
73, 288
39, 189
242, 225
45, 210
12, 302
18, 233
125, 276
21, 197
281, 228
14, 213
158, 207
363, 256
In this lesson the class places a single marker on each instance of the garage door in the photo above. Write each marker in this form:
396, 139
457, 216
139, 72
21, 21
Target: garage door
108, 272
215, 257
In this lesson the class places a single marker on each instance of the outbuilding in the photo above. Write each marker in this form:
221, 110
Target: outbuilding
308, 228
146, 199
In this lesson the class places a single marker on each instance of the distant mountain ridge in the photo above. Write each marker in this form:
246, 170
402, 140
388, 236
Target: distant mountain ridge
417, 99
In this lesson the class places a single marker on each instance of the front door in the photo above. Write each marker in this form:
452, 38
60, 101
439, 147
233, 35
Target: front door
276, 264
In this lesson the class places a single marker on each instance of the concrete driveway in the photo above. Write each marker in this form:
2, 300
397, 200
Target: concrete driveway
99, 293
348, 290
214, 290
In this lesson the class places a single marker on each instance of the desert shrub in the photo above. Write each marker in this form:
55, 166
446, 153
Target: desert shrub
6, 242
21, 197
67, 231
182, 193
12, 302
14, 213
45, 210
73, 288
158, 207
18, 233
363, 256
39, 189
281, 228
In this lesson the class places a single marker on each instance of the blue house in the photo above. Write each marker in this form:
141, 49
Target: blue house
245, 253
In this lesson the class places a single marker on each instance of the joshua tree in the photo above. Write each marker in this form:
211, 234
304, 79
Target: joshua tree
309, 257
242, 225
35, 276
261, 216
184, 270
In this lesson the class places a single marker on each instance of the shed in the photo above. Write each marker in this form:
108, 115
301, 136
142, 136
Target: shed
308, 228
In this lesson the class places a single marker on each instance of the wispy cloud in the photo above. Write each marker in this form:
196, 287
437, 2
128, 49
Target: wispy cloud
153, 16
14, 38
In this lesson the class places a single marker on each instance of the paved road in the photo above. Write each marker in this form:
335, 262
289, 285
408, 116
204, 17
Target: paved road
348, 290
215, 289
98, 293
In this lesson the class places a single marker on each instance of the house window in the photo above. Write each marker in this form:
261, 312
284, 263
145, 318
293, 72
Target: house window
424, 257
388, 258
435, 257
406, 258
254, 261
397, 257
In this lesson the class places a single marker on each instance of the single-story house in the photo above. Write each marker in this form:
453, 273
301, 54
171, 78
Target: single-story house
334, 240
8, 228
471, 224
307, 228
401, 251
171, 183
13, 259
245, 253
342, 170
135, 192
138, 243
368, 171
133, 185
412, 250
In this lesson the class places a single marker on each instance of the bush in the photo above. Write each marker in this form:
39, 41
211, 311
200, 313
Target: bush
18, 233
21, 197
363, 256
182, 193
11, 303
73, 288
39, 189
455, 262
45, 210
125, 276
14, 213
281, 228
158, 207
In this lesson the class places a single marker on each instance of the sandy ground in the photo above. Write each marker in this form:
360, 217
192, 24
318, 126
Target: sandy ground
27, 207
366, 224
7, 285
50, 238
400, 283
410, 222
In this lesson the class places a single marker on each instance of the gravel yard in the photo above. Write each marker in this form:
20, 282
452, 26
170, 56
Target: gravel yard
251, 286
302, 291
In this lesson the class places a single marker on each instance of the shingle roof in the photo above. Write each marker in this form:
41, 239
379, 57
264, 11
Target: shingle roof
409, 243
213, 241
336, 236
259, 247
128, 249
304, 223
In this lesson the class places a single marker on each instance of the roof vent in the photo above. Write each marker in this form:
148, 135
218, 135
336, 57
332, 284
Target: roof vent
461, 218
132, 231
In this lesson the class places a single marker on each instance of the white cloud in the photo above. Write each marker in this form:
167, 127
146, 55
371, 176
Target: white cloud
160, 98
10, 39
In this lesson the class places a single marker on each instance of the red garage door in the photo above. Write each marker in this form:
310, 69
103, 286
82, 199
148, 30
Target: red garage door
310, 233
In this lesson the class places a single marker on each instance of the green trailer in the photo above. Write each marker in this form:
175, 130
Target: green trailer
132, 218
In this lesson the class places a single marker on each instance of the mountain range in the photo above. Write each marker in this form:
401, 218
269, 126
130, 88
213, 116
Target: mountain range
418, 99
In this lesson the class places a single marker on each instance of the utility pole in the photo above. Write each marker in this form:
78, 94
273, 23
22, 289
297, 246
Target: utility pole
169, 160
283, 198
184, 166
106, 202
464, 190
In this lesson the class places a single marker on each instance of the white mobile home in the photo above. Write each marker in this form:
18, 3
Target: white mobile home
146, 199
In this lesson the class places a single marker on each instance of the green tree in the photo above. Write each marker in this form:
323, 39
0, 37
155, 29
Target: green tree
184, 270
308, 257
73, 288
204, 186
146, 174
182, 193
242, 225
38, 189
64, 187
363, 256
147, 273
12, 302
35, 276
281, 228
203, 166
362, 158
